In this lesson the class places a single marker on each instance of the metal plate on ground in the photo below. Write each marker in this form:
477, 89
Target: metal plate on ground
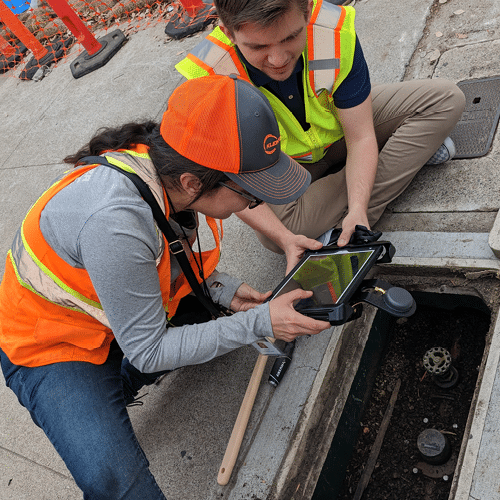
474, 132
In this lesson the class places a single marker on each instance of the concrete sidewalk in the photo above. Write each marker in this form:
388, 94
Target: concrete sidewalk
187, 418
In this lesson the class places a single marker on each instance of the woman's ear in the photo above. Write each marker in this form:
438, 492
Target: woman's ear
190, 184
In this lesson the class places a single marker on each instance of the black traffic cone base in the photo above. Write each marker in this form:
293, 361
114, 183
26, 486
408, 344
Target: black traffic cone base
85, 63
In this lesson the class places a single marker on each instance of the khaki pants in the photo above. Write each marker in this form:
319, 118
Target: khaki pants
411, 120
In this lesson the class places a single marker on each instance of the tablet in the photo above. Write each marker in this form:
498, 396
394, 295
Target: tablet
333, 274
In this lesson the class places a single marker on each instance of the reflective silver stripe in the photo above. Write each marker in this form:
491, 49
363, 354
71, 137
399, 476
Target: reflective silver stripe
319, 64
304, 158
32, 277
145, 170
216, 57
325, 63
202, 50
38, 281
329, 15
226, 66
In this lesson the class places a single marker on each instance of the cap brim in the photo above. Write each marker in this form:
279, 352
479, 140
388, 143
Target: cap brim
282, 183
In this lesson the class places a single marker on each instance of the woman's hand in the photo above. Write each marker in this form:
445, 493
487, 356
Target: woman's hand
295, 247
287, 323
247, 298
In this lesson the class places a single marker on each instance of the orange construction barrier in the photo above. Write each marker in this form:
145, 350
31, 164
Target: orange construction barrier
6, 48
10, 55
97, 53
49, 28
192, 6
69, 17
18, 28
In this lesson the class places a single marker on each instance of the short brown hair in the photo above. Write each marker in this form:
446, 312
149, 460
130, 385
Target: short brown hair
236, 13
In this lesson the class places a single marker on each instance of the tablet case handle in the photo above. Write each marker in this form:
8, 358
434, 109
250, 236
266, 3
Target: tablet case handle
361, 236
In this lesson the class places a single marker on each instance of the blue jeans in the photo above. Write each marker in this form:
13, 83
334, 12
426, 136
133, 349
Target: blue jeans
81, 408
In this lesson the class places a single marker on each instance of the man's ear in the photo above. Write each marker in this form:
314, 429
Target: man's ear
190, 184
310, 7
226, 32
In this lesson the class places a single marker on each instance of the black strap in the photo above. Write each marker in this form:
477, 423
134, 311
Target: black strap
174, 243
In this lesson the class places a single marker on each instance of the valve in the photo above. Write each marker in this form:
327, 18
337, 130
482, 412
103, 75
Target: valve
437, 363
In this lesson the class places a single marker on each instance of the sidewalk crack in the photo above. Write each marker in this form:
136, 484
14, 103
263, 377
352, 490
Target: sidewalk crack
36, 463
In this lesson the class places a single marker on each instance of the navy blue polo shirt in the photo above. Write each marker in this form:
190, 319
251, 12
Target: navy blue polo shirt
352, 91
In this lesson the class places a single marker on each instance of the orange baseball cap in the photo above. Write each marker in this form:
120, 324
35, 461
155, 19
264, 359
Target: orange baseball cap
226, 124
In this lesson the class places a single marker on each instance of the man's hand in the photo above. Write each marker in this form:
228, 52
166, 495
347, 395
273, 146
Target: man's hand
287, 323
361, 165
294, 248
349, 225
247, 298
264, 220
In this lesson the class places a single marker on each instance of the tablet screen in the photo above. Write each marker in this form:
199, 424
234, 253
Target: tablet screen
327, 275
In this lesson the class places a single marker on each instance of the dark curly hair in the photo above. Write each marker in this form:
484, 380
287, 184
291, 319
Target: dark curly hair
169, 164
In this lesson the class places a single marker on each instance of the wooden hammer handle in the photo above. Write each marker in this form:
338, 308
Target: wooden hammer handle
233, 447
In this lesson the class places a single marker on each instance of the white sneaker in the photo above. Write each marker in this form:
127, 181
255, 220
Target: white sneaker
445, 152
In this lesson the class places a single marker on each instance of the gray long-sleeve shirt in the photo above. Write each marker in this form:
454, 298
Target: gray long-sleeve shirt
100, 223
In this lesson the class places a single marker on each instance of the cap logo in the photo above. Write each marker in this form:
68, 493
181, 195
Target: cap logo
270, 143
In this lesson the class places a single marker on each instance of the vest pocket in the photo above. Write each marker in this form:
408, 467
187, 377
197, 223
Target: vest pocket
49, 333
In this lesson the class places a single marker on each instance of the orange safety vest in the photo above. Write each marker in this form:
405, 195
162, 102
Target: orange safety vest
49, 310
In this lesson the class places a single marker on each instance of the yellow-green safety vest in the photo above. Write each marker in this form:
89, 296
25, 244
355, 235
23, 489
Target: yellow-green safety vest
328, 58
